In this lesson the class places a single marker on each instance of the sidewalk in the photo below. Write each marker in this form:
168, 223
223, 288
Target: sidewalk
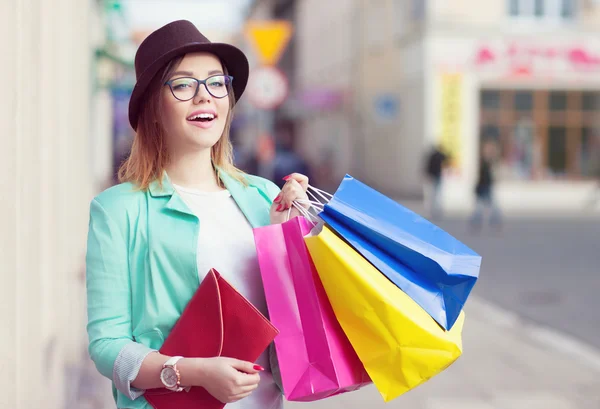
419, 207
507, 364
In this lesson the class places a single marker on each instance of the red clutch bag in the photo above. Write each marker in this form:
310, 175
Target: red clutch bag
218, 321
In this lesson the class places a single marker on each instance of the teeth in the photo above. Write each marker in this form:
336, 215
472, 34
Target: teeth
202, 116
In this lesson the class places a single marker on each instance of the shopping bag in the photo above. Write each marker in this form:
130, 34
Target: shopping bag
316, 360
399, 343
432, 267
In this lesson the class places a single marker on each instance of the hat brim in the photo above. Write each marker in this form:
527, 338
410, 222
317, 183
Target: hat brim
233, 59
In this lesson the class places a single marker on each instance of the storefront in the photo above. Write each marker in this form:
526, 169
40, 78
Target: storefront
537, 97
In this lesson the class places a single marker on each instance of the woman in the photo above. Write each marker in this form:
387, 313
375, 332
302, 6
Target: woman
182, 209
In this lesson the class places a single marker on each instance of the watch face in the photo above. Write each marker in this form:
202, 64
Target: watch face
168, 376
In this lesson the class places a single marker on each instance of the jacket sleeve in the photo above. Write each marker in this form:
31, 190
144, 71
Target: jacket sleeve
127, 367
108, 290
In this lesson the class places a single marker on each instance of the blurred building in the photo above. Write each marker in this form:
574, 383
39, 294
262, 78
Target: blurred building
375, 83
50, 169
526, 74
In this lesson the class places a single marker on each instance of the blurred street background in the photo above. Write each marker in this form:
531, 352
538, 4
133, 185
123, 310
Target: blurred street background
483, 116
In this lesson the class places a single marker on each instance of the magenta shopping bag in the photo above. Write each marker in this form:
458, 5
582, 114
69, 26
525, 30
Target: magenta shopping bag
315, 357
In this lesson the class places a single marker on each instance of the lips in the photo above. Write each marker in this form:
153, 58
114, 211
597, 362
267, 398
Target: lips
202, 118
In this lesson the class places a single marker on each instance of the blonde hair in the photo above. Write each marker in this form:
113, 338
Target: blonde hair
149, 157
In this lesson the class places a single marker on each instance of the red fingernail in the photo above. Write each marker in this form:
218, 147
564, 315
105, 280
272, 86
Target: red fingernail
259, 368
287, 177
279, 207
278, 198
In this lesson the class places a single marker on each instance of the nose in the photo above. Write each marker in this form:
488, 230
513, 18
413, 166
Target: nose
202, 95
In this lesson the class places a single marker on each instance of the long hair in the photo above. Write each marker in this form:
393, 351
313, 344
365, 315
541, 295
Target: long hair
149, 156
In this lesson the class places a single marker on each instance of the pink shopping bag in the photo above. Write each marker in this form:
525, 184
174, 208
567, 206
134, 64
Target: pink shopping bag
315, 357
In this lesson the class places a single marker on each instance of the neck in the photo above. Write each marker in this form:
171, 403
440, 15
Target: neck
194, 170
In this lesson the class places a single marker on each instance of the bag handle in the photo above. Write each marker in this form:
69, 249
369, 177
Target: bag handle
323, 195
313, 219
319, 199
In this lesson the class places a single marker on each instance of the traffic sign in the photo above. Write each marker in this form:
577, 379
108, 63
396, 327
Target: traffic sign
267, 87
386, 106
269, 39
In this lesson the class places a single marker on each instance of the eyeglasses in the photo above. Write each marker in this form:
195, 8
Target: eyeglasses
186, 88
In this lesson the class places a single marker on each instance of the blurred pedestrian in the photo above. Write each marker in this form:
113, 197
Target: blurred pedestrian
435, 163
484, 189
594, 197
182, 208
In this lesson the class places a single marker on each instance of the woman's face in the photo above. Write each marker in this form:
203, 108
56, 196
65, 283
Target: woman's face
196, 124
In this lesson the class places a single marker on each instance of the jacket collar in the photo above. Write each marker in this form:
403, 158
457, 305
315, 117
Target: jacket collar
167, 189
250, 201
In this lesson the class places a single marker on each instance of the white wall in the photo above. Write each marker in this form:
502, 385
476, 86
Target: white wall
46, 188
326, 59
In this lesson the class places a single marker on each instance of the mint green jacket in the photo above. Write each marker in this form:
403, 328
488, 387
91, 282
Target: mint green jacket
141, 268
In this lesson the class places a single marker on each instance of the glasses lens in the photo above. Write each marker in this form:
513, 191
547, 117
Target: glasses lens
184, 88
218, 85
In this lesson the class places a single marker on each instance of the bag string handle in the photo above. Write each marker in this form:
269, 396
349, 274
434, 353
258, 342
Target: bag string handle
324, 197
304, 212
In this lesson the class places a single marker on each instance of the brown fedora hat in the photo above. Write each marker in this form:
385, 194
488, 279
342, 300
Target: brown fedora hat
173, 40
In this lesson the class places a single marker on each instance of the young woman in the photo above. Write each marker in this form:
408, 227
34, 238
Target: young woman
182, 209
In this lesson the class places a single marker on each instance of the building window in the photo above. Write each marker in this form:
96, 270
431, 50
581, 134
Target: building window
490, 99
419, 8
514, 7
539, 8
558, 101
523, 101
543, 134
590, 101
568, 9
542, 9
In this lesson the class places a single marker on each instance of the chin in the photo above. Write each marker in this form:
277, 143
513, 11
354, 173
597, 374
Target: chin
205, 139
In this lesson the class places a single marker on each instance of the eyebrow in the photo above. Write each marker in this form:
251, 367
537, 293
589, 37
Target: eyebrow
189, 73
182, 73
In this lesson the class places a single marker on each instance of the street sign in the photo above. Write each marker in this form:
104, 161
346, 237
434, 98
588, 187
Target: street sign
267, 87
269, 39
386, 107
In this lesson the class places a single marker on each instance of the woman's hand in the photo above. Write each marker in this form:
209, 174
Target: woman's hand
294, 189
227, 379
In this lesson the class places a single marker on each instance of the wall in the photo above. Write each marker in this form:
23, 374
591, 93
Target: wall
46, 190
326, 65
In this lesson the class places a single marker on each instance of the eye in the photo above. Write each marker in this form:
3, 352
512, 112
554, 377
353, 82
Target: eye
182, 84
217, 81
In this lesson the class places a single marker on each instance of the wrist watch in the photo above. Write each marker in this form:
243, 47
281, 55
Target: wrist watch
169, 376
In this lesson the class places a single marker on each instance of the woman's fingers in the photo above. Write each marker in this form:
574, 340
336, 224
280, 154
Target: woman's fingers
298, 177
291, 191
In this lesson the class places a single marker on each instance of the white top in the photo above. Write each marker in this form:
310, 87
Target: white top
226, 243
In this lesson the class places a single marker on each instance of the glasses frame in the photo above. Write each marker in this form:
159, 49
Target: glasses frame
200, 82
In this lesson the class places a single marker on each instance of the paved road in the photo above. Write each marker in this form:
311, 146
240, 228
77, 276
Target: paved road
545, 269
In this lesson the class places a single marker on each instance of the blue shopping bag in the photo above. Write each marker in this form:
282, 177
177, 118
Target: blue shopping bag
435, 269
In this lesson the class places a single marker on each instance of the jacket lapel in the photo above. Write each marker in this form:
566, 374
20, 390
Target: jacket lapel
175, 202
248, 198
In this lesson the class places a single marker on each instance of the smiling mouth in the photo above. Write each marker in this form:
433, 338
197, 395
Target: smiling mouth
205, 117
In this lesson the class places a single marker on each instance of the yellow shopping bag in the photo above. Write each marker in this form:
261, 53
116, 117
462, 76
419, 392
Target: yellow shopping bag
399, 343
